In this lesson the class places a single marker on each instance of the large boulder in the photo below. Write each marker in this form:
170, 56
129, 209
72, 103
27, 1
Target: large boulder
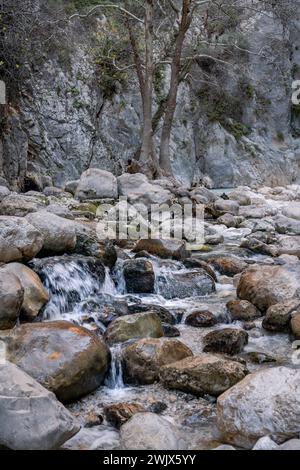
182, 284
35, 294
20, 205
201, 375
144, 358
11, 299
148, 431
97, 184
136, 326
286, 225
66, 359
59, 233
18, 239
138, 189
292, 210
226, 340
139, 276
31, 417
278, 316
264, 286
174, 249
264, 403
242, 310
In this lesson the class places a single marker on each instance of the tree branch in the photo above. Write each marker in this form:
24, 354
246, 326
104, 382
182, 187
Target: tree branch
118, 7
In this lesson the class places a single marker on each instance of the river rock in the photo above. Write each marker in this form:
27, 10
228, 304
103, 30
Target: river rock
20, 205
201, 319
242, 310
265, 443
201, 375
248, 410
35, 294
58, 233
18, 239
11, 299
97, 184
71, 186
174, 249
95, 438
144, 358
241, 196
292, 444
264, 286
253, 244
60, 211
289, 245
3, 192
66, 359
139, 276
278, 316
185, 284
170, 331
228, 265
198, 263
148, 431
286, 225
230, 221
164, 314
119, 413
295, 325
138, 325
31, 417
138, 189
227, 340
292, 211
222, 207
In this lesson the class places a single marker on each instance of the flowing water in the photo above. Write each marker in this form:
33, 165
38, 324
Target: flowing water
79, 288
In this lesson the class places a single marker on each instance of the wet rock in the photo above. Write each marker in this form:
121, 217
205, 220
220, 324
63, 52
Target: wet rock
246, 412
278, 316
295, 325
3, 192
148, 431
119, 413
164, 314
201, 319
259, 357
97, 184
174, 249
93, 420
66, 359
264, 286
19, 205
35, 294
255, 245
138, 189
18, 239
11, 299
58, 233
31, 417
222, 207
242, 310
228, 265
139, 325
144, 358
227, 340
185, 284
201, 375
157, 407
139, 276
198, 263
170, 331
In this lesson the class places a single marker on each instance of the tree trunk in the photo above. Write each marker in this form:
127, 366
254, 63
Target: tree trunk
164, 157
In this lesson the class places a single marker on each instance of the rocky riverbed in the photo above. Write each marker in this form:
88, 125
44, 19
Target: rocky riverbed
149, 344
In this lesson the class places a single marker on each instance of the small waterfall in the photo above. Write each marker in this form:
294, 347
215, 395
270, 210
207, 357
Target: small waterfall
108, 286
118, 277
115, 377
